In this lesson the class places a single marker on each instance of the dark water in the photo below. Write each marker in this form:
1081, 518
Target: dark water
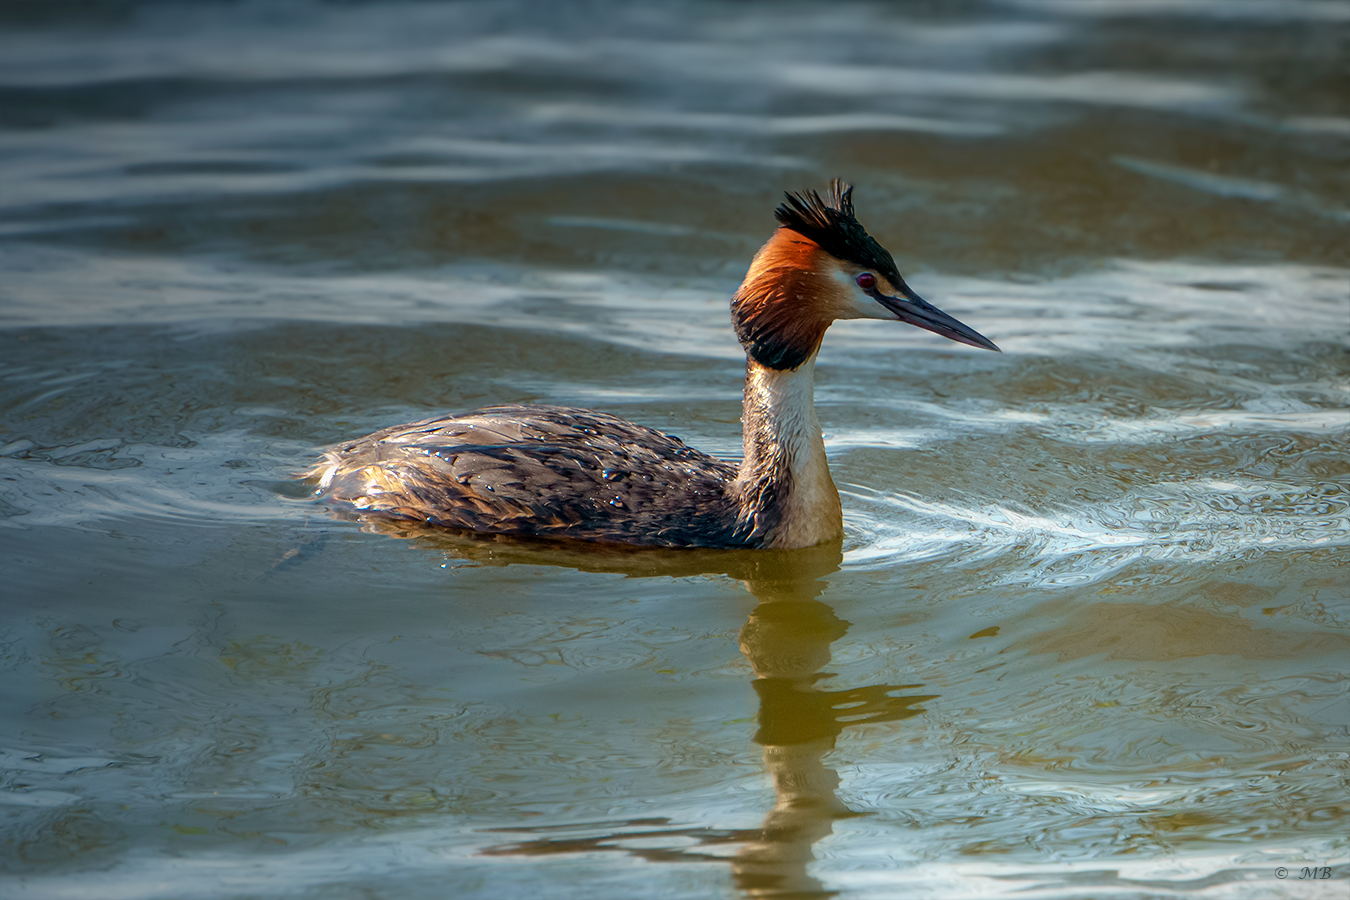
1089, 630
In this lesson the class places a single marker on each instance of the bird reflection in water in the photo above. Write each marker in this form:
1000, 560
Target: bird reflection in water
787, 641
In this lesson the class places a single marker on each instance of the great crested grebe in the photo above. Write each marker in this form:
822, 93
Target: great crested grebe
555, 472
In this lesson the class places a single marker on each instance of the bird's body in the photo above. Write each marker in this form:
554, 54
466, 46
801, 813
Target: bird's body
554, 472
541, 471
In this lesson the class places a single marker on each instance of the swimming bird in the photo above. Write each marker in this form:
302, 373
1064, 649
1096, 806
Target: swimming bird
556, 472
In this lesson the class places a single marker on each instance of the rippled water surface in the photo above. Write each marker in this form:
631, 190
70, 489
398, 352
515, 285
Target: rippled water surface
1088, 632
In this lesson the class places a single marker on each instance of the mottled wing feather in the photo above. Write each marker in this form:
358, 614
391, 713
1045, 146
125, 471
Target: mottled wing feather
540, 471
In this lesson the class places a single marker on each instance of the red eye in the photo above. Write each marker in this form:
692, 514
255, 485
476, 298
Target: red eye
867, 281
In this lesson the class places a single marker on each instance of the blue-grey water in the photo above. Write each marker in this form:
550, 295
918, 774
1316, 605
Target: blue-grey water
1089, 630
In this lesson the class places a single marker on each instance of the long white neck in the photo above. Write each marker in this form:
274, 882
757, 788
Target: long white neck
784, 486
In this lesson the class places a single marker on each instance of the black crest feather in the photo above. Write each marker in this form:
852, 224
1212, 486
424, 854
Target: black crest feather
832, 225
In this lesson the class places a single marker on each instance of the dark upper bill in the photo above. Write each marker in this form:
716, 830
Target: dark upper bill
917, 311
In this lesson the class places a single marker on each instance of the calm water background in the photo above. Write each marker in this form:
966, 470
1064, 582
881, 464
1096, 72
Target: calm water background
1089, 632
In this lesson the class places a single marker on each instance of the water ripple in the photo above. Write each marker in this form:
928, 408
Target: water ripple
1192, 520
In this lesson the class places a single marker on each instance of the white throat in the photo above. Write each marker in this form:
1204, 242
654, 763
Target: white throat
784, 482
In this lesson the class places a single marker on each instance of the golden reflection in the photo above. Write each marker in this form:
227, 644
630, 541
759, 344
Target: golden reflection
787, 640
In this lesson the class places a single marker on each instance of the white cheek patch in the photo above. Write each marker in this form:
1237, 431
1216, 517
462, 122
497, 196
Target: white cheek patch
857, 303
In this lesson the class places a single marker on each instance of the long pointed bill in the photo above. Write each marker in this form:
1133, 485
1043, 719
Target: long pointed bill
917, 311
